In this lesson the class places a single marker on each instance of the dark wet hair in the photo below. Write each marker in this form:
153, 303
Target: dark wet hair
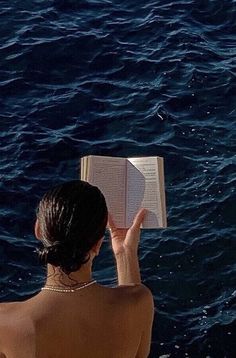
72, 218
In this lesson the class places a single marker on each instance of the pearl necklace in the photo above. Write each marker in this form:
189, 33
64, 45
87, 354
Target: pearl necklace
67, 290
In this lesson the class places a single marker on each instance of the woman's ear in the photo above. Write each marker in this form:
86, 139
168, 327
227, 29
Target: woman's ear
37, 229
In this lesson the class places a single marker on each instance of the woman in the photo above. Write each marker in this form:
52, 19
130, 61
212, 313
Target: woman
73, 316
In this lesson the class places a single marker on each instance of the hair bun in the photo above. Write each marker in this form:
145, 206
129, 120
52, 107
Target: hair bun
54, 253
51, 254
65, 256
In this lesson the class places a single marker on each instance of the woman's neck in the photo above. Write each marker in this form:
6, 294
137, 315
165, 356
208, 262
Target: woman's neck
56, 277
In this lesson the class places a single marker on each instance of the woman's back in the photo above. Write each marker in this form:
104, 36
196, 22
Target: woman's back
97, 322
73, 316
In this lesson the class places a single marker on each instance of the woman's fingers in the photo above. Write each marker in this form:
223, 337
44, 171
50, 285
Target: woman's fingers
136, 223
111, 225
139, 219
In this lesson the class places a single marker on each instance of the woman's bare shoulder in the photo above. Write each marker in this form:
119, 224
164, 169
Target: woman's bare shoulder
138, 301
137, 292
135, 288
10, 309
15, 326
16, 330
12, 318
7, 318
9, 313
7, 309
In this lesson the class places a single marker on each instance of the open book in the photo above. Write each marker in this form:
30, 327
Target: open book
129, 184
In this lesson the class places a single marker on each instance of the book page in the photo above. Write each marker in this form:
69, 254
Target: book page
144, 192
135, 192
109, 175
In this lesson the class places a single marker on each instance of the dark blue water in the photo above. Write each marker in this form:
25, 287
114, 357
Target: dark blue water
128, 78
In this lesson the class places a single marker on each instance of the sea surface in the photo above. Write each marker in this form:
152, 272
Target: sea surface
128, 78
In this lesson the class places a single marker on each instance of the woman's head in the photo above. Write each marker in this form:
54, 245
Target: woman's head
71, 219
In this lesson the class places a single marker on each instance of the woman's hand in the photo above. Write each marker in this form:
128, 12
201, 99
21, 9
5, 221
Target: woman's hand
126, 240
